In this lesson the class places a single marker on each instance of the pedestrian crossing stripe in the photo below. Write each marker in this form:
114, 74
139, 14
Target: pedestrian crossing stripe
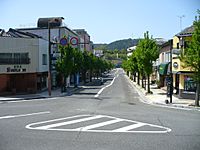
134, 127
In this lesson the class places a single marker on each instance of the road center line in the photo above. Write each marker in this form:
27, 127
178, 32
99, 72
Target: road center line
100, 91
24, 115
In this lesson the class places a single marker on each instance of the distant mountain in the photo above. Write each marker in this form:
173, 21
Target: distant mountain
119, 44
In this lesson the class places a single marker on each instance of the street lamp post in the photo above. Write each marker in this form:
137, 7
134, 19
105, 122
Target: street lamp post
54, 20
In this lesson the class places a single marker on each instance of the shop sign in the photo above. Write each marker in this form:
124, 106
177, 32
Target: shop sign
175, 64
17, 68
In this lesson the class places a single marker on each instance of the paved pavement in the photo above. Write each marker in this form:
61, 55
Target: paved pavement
159, 96
54, 93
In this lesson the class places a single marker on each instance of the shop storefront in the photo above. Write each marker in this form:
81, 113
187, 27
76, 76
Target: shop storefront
183, 82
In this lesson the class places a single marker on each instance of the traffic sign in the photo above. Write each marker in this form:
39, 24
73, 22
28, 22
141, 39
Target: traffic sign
74, 41
63, 41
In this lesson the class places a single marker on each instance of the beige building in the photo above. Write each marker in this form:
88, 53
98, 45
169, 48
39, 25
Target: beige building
182, 76
23, 64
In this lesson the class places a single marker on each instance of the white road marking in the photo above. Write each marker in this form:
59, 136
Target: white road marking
92, 127
130, 127
69, 122
98, 125
34, 100
24, 115
100, 91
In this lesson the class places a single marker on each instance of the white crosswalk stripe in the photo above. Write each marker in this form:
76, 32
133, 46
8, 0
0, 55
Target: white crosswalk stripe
97, 123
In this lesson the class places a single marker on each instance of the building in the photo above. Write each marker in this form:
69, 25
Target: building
182, 77
23, 63
98, 53
155, 76
164, 63
87, 44
57, 31
130, 50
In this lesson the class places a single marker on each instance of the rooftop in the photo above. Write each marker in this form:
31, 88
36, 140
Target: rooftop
186, 32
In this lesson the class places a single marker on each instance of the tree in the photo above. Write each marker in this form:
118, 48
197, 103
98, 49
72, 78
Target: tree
191, 56
86, 65
147, 52
77, 63
64, 64
133, 65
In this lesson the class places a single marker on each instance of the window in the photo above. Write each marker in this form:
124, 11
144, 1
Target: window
163, 58
44, 59
14, 58
5, 57
167, 57
189, 84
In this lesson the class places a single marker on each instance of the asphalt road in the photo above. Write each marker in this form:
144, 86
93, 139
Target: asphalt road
98, 117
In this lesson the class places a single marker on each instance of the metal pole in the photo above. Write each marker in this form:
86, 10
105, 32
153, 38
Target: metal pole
171, 75
181, 21
49, 50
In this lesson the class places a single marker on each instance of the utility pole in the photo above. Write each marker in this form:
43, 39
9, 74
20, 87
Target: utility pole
49, 50
171, 75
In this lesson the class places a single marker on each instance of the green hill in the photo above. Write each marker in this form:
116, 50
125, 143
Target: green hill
119, 44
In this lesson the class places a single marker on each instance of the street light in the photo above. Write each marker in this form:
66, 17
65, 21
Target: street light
51, 21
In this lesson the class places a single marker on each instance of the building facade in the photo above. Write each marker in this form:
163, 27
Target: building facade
164, 63
56, 33
87, 44
183, 82
23, 64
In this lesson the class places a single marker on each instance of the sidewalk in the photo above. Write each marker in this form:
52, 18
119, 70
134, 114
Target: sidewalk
45, 94
159, 96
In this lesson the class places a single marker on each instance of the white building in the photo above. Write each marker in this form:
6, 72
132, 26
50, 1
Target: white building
23, 64
130, 50
57, 31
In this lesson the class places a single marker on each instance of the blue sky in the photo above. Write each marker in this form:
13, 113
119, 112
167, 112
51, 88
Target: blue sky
105, 20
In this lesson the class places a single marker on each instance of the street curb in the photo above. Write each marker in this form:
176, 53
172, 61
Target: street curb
42, 97
146, 100
69, 93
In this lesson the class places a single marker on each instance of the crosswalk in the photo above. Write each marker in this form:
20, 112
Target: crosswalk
97, 123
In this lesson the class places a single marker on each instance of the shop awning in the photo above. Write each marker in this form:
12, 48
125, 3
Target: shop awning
163, 68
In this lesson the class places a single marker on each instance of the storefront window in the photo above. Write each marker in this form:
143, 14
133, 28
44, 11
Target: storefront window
189, 84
